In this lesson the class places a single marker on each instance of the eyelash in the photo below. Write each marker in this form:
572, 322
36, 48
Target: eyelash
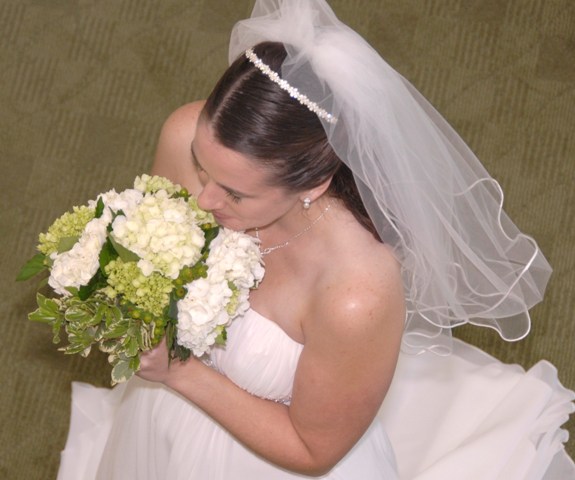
233, 197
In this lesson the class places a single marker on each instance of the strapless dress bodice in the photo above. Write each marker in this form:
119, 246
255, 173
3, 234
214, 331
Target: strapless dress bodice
259, 357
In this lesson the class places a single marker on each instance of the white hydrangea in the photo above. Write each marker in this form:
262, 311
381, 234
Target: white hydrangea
124, 201
241, 304
210, 303
235, 257
77, 266
201, 312
163, 232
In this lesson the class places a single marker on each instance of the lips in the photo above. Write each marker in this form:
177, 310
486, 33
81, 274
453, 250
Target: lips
219, 217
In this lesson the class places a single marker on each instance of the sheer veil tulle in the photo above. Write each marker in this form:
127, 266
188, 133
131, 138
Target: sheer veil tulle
431, 200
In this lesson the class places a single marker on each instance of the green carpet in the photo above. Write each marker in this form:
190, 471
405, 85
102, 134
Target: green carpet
86, 84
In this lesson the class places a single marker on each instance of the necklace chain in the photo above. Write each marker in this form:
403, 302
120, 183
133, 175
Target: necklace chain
267, 250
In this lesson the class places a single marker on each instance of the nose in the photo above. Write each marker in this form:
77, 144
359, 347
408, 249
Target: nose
211, 197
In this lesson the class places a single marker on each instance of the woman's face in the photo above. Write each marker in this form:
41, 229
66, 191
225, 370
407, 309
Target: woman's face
234, 187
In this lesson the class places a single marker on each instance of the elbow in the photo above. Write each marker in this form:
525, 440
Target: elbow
320, 471
318, 465
316, 470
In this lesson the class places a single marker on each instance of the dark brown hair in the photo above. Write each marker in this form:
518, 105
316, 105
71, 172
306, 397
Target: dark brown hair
252, 115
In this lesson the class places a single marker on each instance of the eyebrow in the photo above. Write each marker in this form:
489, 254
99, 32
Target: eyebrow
226, 188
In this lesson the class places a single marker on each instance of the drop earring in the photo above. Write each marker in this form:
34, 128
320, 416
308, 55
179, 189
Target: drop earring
306, 203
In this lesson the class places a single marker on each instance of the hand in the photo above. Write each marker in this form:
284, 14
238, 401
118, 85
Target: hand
155, 364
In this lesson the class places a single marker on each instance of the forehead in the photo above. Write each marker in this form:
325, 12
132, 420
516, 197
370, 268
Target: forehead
223, 165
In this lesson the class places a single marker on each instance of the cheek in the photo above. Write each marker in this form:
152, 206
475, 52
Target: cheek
202, 176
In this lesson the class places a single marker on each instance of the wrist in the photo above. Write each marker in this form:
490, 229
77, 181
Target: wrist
181, 373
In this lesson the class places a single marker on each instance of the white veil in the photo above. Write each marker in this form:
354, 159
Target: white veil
429, 197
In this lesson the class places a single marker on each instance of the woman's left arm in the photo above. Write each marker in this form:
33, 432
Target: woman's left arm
346, 366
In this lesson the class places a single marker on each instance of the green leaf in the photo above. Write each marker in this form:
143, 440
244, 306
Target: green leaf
47, 304
56, 328
122, 371
170, 336
173, 306
79, 314
39, 316
73, 291
135, 363
112, 315
84, 353
107, 254
222, 336
210, 234
76, 348
143, 338
113, 358
96, 282
116, 329
100, 314
99, 208
181, 352
48, 310
131, 347
32, 267
80, 339
80, 333
66, 243
108, 346
125, 254
42, 283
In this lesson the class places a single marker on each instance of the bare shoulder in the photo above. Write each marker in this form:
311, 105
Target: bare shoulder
363, 293
183, 119
172, 159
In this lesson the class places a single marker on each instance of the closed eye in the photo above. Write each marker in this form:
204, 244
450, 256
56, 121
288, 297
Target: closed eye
234, 195
234, 198
195, 161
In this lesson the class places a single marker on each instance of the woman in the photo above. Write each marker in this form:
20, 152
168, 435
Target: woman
369, 211
348, 315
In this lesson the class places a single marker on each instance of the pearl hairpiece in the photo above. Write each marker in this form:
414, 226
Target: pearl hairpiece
284, 85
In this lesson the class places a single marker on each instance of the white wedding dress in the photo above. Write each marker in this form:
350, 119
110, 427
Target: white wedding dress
466, 416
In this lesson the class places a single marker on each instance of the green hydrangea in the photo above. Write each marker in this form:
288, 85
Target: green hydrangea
151, 293
151, 184
202, 216
64, 232
234, 300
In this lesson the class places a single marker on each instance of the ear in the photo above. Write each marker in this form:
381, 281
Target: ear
314, 193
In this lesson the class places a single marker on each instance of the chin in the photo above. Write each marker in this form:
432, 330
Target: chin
231, 223
228, 223
222, 220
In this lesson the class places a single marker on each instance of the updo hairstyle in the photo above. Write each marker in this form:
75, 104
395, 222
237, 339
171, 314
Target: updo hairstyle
250, 114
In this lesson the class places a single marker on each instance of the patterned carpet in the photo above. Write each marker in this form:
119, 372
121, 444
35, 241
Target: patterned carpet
86, 84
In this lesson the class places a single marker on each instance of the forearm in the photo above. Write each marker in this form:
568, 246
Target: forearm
262, 425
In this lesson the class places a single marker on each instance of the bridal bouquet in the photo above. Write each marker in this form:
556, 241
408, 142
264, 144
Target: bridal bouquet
131, 267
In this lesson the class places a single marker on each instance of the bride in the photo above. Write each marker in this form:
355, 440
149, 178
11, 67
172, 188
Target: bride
380, 231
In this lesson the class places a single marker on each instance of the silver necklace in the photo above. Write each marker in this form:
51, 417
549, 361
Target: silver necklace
266, 251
